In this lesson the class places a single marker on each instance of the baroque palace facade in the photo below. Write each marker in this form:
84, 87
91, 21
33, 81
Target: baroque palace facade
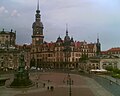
63, 53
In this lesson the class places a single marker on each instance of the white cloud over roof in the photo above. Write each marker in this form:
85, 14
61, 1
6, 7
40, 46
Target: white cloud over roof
3, 10
15, 13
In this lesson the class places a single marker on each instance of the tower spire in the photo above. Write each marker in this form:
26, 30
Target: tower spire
38, 11
37, 26
97, 38
66, 29
38, 5
98, 45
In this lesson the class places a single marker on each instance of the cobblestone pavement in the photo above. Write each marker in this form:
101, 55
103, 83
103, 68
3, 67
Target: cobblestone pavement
115, 80
83, 86
97, 89
109, 84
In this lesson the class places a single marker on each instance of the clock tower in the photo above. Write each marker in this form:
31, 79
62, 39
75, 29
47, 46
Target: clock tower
37, 36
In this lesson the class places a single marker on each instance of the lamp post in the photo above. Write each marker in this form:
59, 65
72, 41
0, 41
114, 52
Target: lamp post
70, 82
7, 54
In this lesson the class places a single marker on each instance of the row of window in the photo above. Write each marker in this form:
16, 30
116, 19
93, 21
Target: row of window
59, 54
116, 52
62, 49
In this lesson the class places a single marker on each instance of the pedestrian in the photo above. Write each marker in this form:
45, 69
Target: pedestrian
51, 88
37, 84
110, 82
43, 84
48, 81
48, 88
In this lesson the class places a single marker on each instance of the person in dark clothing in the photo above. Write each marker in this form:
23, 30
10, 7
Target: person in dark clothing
48, 88
51, 88
43, 84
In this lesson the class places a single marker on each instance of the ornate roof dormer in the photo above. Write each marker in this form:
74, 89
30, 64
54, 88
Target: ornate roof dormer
59, 39
72, 39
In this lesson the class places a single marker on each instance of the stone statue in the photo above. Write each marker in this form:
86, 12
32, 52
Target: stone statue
21, 78
21, 59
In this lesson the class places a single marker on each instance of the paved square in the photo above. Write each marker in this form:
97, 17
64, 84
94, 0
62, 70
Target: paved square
82, 86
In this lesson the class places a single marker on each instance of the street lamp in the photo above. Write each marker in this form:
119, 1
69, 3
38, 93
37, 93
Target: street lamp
70, 82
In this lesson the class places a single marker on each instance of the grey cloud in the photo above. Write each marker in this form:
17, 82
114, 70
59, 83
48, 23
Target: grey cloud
85, 18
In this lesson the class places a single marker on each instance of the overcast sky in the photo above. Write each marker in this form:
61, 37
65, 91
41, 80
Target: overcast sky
85, 19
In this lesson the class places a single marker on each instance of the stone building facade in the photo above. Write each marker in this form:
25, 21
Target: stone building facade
7, 39
63, 53
9, 59
8, 52
101, 62
112, 51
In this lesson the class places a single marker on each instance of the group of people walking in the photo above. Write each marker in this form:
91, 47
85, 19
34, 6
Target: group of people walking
48, 87
51, 88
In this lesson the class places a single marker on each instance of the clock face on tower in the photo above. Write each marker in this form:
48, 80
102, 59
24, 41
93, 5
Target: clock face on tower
37, 39
37, 32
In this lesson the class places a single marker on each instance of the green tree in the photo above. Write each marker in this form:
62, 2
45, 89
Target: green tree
109, 68
84, 58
